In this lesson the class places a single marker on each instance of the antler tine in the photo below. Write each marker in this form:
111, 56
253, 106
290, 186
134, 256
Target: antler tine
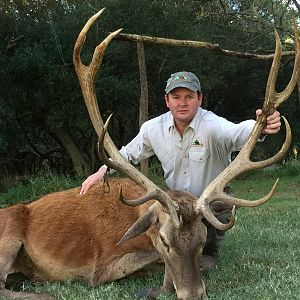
159, 196
274, 99
282, 96
86, 76
242, 162
269, 103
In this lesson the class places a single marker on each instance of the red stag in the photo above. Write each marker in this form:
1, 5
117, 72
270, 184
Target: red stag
98, 238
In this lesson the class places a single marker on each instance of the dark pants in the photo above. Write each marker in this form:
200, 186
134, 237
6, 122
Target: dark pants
215, 237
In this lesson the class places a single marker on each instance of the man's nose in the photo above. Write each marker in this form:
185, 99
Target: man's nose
182, 102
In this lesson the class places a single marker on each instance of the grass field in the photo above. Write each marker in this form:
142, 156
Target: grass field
260, 258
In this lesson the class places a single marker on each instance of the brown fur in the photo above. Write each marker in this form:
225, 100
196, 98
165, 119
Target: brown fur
67, 236
64, 235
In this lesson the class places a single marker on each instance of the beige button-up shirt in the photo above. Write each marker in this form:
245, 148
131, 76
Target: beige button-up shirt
192, 161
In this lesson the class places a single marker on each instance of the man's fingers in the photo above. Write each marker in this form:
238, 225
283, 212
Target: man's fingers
274, 116
258, 112
274, 126
84, 188
273, 122
271, 131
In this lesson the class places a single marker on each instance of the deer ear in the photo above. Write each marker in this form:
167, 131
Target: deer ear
140, 226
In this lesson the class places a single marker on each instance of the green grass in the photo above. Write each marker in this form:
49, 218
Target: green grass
260, 258
261, 255
28, 189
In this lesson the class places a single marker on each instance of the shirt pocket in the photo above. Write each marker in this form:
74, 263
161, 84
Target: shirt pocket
199, 153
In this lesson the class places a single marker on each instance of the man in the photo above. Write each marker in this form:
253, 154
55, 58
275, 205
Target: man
193, 145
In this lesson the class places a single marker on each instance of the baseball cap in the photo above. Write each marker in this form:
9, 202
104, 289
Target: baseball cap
183, 79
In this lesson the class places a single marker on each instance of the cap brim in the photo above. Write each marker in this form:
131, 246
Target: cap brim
181, 84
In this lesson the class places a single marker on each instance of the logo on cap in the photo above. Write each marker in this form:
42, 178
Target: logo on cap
183, 79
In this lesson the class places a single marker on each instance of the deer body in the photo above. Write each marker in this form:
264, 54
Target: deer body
65, 236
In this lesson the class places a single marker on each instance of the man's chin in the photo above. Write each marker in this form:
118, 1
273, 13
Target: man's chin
183, 119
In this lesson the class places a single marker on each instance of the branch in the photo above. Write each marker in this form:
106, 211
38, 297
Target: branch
13, 42
297, 5
196, 44
283, 12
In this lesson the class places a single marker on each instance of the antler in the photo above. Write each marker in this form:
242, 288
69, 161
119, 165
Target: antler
242, 162
86, 76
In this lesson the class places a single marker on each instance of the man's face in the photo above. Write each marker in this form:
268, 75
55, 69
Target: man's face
183, 104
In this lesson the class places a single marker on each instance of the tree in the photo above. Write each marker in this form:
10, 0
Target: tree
44, 124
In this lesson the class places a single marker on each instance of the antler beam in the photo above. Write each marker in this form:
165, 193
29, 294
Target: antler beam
242, 162
86, 76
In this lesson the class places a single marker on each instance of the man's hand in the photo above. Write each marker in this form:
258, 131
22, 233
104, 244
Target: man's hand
273, 122
92, 179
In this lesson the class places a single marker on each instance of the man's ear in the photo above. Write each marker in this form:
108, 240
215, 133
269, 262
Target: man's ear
167, 100
200, 98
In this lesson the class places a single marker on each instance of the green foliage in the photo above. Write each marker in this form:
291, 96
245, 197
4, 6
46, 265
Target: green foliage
39, 91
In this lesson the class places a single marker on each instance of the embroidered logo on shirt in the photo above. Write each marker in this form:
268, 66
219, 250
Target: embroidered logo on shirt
197, 143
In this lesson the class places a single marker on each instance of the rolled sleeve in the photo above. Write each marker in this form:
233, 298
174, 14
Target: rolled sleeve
138, 149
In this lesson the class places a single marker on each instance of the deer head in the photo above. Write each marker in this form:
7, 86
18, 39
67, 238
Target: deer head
174, 221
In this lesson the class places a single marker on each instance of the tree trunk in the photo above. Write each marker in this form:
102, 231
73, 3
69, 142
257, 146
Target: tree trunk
80, 166
143, 109
298, 89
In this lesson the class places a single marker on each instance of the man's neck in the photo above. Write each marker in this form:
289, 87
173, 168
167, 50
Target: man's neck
181, 126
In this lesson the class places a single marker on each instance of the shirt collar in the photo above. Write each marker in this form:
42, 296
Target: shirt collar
170, 121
